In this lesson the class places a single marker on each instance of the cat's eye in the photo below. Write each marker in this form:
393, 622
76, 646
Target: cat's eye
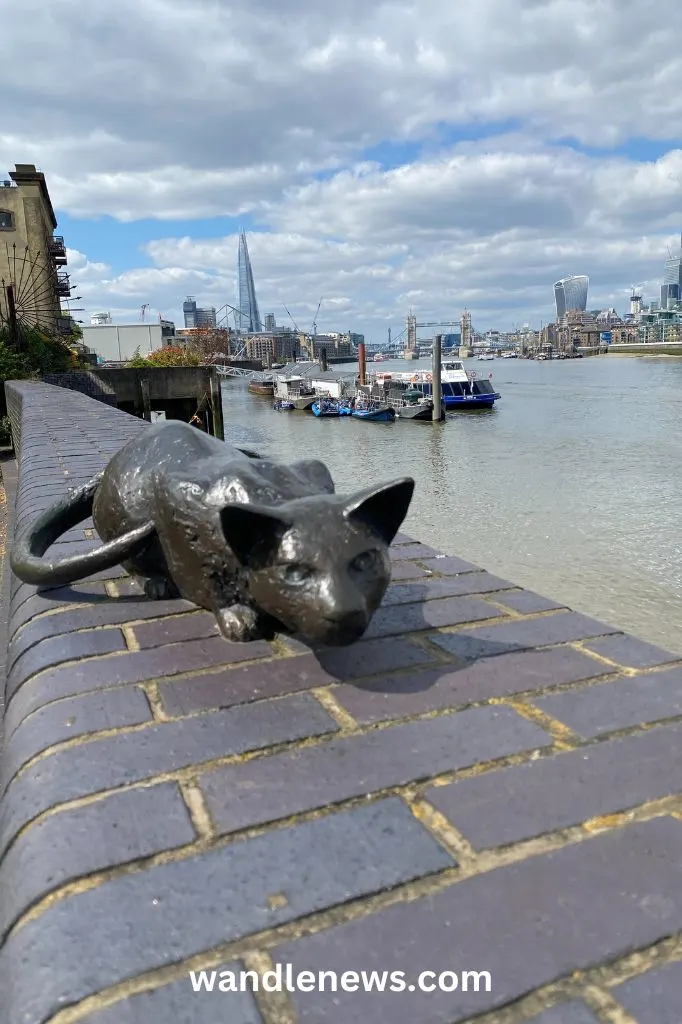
365, 561
296, 574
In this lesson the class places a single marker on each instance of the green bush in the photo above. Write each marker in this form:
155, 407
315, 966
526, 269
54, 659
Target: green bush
5, 432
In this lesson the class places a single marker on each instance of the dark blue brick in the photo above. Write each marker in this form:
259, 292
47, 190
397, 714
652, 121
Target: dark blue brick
64, 847
141, 922
117, 760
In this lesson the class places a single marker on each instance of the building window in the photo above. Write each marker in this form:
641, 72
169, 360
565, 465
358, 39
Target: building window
6, 220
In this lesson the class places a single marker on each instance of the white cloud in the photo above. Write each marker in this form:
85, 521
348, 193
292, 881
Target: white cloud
185, 109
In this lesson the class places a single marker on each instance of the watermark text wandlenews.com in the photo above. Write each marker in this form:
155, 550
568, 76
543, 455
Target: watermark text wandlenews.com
283, 978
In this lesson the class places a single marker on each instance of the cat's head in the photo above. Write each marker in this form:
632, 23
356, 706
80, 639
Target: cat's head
319, 565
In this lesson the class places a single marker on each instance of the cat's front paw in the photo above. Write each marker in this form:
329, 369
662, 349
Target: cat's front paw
239, 623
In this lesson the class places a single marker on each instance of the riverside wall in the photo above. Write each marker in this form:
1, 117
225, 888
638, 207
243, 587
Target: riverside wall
487, 782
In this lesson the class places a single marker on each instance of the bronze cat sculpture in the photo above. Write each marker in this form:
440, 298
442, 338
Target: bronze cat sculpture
268, 548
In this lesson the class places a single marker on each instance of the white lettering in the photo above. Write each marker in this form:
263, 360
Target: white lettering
476, 975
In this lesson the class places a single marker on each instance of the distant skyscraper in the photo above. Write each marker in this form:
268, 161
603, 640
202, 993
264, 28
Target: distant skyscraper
270, 324
671, 289
197, 317
571, 293
248, 304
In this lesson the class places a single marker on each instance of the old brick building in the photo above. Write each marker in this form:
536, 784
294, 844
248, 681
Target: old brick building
31, 256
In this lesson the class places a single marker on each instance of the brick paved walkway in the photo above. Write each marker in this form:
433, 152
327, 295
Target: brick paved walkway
487, 782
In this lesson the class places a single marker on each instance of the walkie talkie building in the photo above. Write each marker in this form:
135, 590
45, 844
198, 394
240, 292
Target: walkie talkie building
571, 293
248, 304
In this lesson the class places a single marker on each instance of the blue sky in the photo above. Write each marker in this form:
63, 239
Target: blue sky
423, 155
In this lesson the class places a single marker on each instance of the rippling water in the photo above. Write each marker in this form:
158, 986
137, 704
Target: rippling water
571, 486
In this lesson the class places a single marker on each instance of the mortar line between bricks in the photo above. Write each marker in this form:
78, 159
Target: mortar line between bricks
605, 1007
561, 734
467, 867
199, 813
132, 643
569, 986
275, 1007
564, 739
151, 692
442, 829
343, 718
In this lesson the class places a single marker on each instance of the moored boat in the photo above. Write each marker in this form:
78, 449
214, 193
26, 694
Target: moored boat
325, 407
413, 405
460, 389
376, 413
262, 387
283, 406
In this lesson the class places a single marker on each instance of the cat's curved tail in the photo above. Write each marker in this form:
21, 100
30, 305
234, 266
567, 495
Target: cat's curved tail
27, 560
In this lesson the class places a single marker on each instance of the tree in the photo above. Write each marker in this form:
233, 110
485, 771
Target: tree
169, 355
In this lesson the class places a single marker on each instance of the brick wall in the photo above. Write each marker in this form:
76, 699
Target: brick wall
487, 781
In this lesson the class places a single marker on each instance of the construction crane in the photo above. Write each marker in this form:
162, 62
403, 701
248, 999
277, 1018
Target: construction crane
313, 328
292, 319
143, 310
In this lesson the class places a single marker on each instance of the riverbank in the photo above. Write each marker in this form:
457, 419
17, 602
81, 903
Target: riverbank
572, 485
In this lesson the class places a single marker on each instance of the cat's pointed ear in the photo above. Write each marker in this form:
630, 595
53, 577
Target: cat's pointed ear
253, 533
382, 508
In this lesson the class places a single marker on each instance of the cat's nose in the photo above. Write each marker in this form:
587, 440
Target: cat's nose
345, 629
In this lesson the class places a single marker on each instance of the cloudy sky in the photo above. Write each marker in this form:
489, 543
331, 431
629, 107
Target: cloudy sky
415, 153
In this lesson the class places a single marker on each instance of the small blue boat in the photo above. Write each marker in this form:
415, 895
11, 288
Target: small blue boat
283, 406
376, 413
325, 407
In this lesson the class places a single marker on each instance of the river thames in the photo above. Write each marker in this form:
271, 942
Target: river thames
571, 486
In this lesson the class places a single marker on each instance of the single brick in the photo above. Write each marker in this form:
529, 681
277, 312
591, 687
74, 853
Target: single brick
133, 667
443, 687
66, 719
91, 643
449, 611
554, 793
274, 787
520, 634
525, 601
109, 612
412, 551
617, 705
449, 565
631, 652
448, 586
408, 571
176, 629
178, 1003
575, 1012
64, 847
527, 924
141, 922
654, 997
118, 760
242, 685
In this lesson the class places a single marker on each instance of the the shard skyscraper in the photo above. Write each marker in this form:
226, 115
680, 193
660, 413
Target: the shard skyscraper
248, 303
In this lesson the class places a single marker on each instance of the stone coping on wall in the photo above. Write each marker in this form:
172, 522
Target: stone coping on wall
488, 782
